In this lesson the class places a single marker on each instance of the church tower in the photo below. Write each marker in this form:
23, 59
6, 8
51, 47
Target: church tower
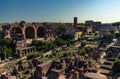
75, 22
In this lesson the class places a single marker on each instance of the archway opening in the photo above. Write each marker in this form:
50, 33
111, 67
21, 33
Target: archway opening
30, 33
40, 32
16, 33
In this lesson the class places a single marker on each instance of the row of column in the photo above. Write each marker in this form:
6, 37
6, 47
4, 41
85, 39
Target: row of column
26, 51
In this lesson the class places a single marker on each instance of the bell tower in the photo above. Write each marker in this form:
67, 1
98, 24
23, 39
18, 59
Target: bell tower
75, 22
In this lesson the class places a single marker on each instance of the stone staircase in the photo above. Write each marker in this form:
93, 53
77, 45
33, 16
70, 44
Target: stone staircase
106, 67
108, 63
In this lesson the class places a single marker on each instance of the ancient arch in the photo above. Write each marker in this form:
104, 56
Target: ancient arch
16, 33
29, 33
40, 32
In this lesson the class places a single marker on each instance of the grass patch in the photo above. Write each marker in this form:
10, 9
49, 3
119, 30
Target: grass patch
47, 59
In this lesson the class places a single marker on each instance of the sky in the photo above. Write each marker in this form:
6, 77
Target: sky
106, 11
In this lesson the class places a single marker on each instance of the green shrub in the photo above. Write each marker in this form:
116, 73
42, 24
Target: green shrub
59, 42
82, 52
118, 57
116, 66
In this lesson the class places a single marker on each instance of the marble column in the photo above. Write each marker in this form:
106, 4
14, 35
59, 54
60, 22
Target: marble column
35, 34
23, 32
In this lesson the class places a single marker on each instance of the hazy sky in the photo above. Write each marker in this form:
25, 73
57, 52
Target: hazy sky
59, 10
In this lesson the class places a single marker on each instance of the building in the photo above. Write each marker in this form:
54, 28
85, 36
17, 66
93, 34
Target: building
23, 31
70, 29
41, 31
22, 49
106, 28
81, 29
95, 25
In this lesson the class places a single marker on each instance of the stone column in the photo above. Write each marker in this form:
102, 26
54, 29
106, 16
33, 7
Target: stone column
25, 53
0, 58
20, 53
24, 37
34, 49
30, 50
35, 33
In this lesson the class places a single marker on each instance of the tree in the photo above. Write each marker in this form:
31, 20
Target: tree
118, 57
60, 31
23, 22
83, 43
84, 38
43, 46
6, 47
0, 33
108, 36
37, 43
59, 42
66, 37
65, 54
116, 66
88, 49
6, 41
96, 32
6, 51
20, 62
117, 35
51, 45
116, 24
82, 52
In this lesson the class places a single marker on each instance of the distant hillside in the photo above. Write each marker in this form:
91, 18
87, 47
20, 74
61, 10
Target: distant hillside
116, 23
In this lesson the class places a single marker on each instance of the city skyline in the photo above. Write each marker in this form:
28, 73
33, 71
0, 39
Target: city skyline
106, 11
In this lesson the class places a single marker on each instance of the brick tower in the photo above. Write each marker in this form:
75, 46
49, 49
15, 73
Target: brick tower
75, 22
